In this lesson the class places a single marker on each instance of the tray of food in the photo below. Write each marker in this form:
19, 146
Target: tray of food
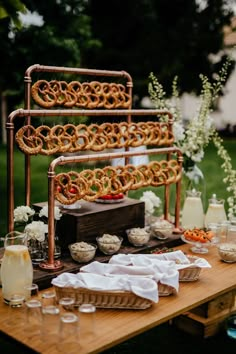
111, 198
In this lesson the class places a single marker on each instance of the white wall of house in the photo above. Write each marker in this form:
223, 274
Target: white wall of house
226, 113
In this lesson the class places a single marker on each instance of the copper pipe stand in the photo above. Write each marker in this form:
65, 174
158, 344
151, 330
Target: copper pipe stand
178, 230
57, 265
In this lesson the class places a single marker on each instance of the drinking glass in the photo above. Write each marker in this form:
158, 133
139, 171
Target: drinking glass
231, 234
87, 321
16, 311
224, 225
68, 333
50, 324
48, 298
66, 304
216, 229
31, 290
34, 318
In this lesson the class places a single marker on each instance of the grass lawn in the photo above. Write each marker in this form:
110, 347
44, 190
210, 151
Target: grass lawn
211, 167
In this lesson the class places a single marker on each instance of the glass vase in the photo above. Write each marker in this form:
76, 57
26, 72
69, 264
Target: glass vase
57, 249
193, 179
37, 251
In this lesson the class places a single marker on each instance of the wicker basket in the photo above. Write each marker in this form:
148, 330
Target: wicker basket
190, 273
104, 299
165, 290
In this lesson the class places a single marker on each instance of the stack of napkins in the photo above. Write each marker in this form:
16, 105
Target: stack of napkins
142, 286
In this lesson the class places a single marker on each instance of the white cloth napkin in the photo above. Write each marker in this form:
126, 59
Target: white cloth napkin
141, 286
179, 259
160, 271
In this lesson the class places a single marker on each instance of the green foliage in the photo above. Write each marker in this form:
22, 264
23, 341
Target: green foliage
10, 9
60, 41
144, 36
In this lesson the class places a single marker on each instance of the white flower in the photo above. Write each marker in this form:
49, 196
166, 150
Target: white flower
23, 213
36, 230
156, 201
194, 136
200, 130
149, 209
178, 131
44, 212
198, 156
151, 201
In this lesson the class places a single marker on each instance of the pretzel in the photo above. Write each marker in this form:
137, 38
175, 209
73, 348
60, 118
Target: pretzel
28, 140
72, 138
94, 94
93, 184
64, 182
33, 141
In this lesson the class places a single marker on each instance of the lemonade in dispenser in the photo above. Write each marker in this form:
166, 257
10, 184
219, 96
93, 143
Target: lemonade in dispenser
16, 268
216, 211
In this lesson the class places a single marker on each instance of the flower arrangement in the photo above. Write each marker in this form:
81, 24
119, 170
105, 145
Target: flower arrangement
230, 178
35, 230
151, 201
44, 212
22, 214
192, 138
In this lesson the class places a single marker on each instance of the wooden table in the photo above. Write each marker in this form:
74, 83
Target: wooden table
116, 326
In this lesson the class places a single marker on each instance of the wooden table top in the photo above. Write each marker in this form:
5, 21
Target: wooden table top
114, 326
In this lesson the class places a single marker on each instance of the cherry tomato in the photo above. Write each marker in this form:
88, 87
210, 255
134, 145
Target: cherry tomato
59, 189
107, 197
73, 190
118, 196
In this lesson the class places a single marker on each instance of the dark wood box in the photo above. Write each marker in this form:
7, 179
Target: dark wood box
94, 219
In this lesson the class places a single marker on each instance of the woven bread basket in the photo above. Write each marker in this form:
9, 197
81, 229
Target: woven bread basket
190, 273
104, 299
165, 290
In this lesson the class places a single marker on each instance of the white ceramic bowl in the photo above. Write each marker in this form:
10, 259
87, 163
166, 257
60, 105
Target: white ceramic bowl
82, 252
138, 236
109, 244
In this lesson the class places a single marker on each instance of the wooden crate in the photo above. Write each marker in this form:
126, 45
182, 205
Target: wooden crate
94, 219
214, 307
208, 319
